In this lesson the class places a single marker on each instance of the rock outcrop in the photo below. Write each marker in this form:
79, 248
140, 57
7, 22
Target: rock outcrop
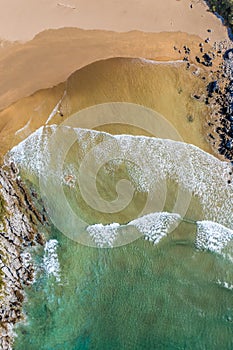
19, 224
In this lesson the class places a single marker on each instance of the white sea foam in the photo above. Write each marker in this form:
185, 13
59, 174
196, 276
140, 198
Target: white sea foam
148, 61
32, 150
153, 227
225, 284
103, 235
156, 226
194, 170
214, 237
50, 260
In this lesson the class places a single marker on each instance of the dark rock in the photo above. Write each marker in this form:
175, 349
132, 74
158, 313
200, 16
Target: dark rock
207, 57
228, 54
229, 145
207, 64
212, 87
190, 118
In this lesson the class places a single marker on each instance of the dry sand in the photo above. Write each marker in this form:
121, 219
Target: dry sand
23, 19
50, 58
53, 55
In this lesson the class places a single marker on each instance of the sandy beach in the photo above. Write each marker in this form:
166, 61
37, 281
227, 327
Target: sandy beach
112, 80
133, 29
22, 20
49, 60
77, 53
52, 56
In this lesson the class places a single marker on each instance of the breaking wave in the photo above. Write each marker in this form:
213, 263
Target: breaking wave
149, 162
51, 263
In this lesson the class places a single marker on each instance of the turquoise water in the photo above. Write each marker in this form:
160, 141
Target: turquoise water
139, 296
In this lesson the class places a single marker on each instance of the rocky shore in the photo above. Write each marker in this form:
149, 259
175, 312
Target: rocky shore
19, 223
220, 100
20, 219
215, 66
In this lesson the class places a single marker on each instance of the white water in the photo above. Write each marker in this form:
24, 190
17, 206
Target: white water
225, 284
50, 259
194, 170
215, 238
103, 235
156, 226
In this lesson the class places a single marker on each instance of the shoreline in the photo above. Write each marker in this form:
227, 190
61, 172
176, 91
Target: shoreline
220, 96
86, 46
20, 221
27, 114
26, 83
21, 272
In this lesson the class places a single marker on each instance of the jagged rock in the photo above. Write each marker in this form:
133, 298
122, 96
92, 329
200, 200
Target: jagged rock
228, 55
18, 230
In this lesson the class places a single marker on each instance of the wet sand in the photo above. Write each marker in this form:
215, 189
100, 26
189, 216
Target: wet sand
35, 73
168, 88
53, 55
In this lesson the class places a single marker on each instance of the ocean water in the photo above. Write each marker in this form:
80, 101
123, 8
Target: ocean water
139, 296
168, 281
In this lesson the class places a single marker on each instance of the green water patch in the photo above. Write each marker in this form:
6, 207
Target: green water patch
90, 171
138, 296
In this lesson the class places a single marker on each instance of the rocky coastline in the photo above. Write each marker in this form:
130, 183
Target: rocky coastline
19, 220
215, 66
220, 100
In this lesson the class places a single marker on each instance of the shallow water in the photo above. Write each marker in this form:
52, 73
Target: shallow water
175, 294
164, 175
140, 296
